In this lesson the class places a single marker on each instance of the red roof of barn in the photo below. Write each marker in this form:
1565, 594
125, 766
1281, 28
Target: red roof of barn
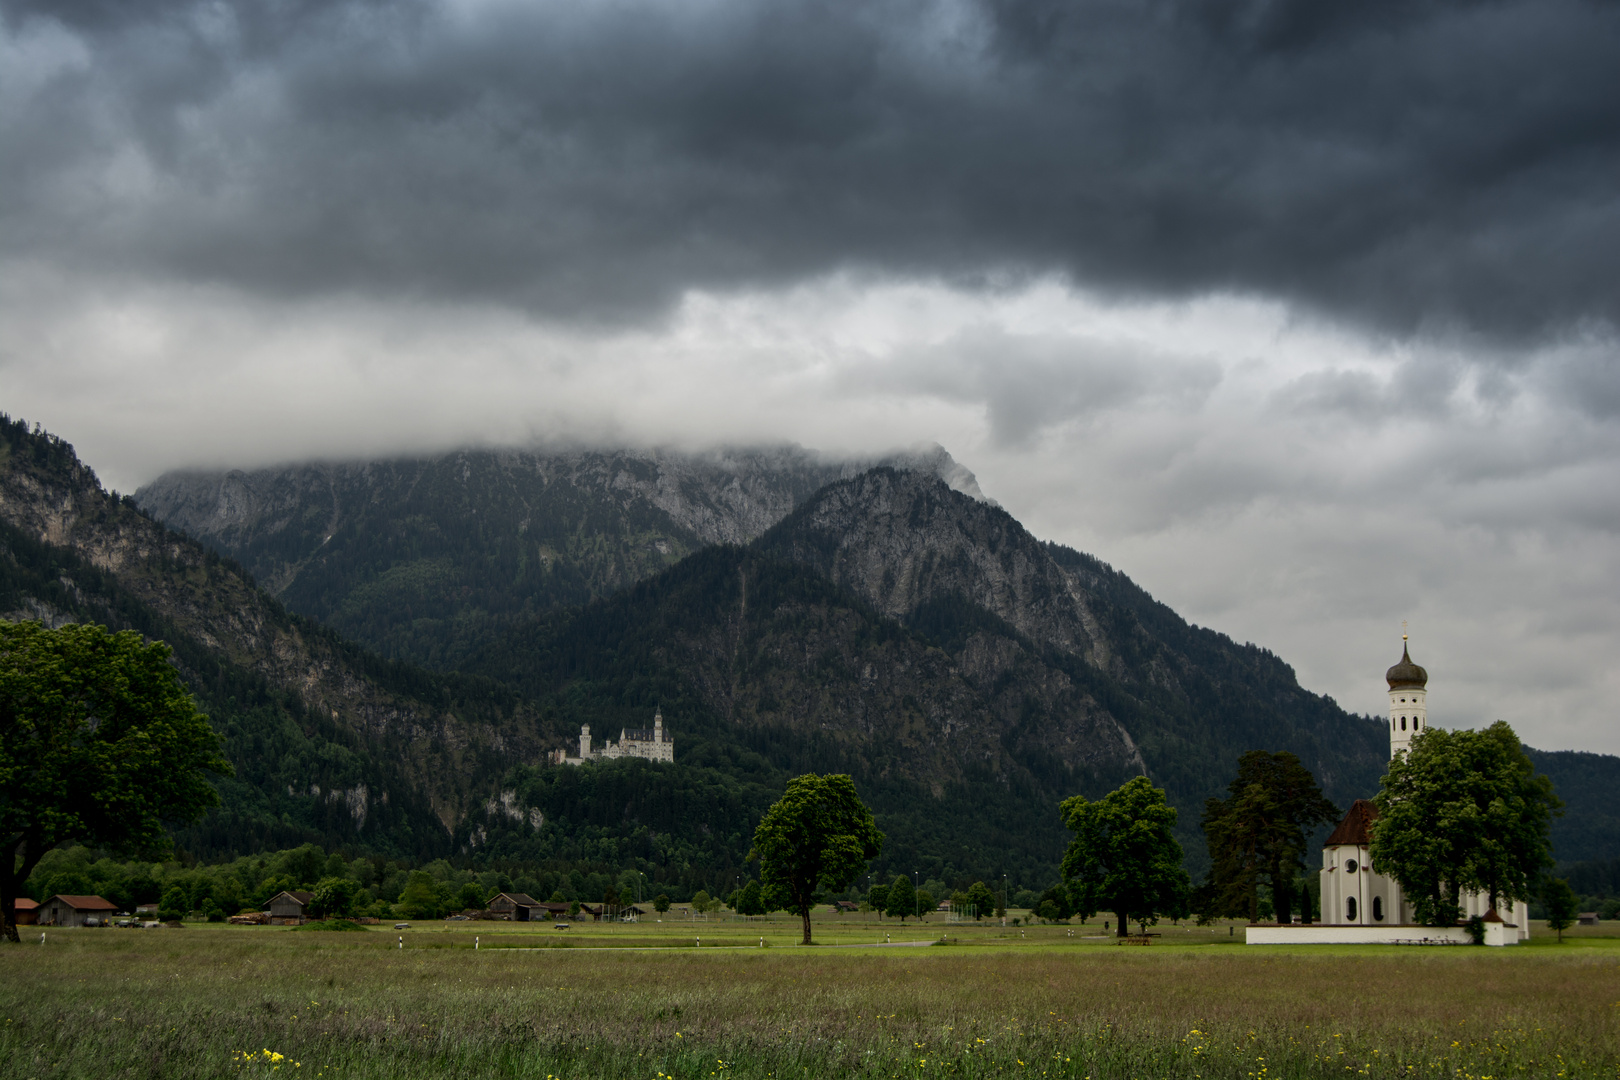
24, 904
1353, 829
85, 903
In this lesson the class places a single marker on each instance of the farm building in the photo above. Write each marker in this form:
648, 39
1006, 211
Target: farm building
287, 908
26, 911
74, 911
519, 907
1585, 918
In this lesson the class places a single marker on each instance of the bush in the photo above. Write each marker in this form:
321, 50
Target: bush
334, 896
330, 924
172, 908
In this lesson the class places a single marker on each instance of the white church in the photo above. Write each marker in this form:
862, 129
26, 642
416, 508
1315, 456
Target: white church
654, 744
1360, 905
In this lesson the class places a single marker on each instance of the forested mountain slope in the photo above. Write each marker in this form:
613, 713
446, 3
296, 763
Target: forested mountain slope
329, 742
424, 559
925, 642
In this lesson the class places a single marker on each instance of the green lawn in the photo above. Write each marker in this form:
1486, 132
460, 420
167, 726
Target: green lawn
644, 1001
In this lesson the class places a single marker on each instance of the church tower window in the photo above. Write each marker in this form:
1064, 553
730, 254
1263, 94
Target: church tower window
1378, 909
1350, 909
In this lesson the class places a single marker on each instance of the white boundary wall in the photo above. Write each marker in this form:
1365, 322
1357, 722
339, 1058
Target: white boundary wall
1320, 934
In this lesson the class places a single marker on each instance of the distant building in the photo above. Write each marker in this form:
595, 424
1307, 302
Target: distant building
74, 911
654, 744
1359, 903
287, 908
27, 911
519, 907
1585, 918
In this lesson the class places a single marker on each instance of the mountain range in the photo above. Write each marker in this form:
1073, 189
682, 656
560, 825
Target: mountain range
431, 628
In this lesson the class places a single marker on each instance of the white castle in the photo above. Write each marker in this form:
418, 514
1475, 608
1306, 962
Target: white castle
654, 744
1359, 904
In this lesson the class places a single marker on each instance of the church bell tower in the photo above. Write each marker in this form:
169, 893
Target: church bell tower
1408, 713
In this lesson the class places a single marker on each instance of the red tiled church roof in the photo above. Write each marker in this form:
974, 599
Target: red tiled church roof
1354, 828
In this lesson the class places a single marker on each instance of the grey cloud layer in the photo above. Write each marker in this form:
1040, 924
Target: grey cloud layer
1408, 166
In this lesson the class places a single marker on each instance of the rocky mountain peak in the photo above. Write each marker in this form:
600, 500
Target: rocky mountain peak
901, 539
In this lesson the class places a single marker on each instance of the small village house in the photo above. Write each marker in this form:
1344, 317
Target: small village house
75, 911
287, 908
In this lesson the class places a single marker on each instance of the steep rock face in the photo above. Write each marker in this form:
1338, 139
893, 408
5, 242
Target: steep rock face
902, 538
1040, 630
423, 559
48, 496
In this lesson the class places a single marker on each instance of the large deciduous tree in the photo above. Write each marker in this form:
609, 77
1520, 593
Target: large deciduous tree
1259, 832
100, 743
1463, 810
1124, 857
818, 837
982, 899
901, 901
1561, 905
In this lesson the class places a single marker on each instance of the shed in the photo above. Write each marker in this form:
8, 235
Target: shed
519, 907
287, 908
842, 906
595, 911
1587, 918
26, 911
62, 910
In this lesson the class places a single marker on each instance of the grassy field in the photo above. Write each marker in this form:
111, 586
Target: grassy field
648, 1002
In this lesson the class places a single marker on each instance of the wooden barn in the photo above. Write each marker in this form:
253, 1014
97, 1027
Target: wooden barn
287, 908
519, 907
26, 911
74, 911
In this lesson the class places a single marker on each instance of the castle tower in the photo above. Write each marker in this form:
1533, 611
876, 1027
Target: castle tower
658, 725
584, 741
1408, 712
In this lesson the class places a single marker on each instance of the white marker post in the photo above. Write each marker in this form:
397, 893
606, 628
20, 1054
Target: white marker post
402, 941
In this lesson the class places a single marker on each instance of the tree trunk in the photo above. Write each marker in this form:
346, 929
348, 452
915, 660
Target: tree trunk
12, 877
1124, 924
805, 914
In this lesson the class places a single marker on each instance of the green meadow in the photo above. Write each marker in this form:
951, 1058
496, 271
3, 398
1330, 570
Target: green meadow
649, 1002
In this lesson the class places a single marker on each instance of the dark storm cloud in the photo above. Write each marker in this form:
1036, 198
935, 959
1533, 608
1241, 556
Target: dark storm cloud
1411, 166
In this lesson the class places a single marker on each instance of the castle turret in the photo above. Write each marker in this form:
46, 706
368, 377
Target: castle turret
584, 741
1408, 713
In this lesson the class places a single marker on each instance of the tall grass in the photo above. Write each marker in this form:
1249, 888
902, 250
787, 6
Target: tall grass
203, 1003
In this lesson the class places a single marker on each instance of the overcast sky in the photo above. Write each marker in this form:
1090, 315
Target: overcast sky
1304, 315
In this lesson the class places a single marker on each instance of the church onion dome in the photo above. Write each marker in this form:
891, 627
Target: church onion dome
1406, 674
